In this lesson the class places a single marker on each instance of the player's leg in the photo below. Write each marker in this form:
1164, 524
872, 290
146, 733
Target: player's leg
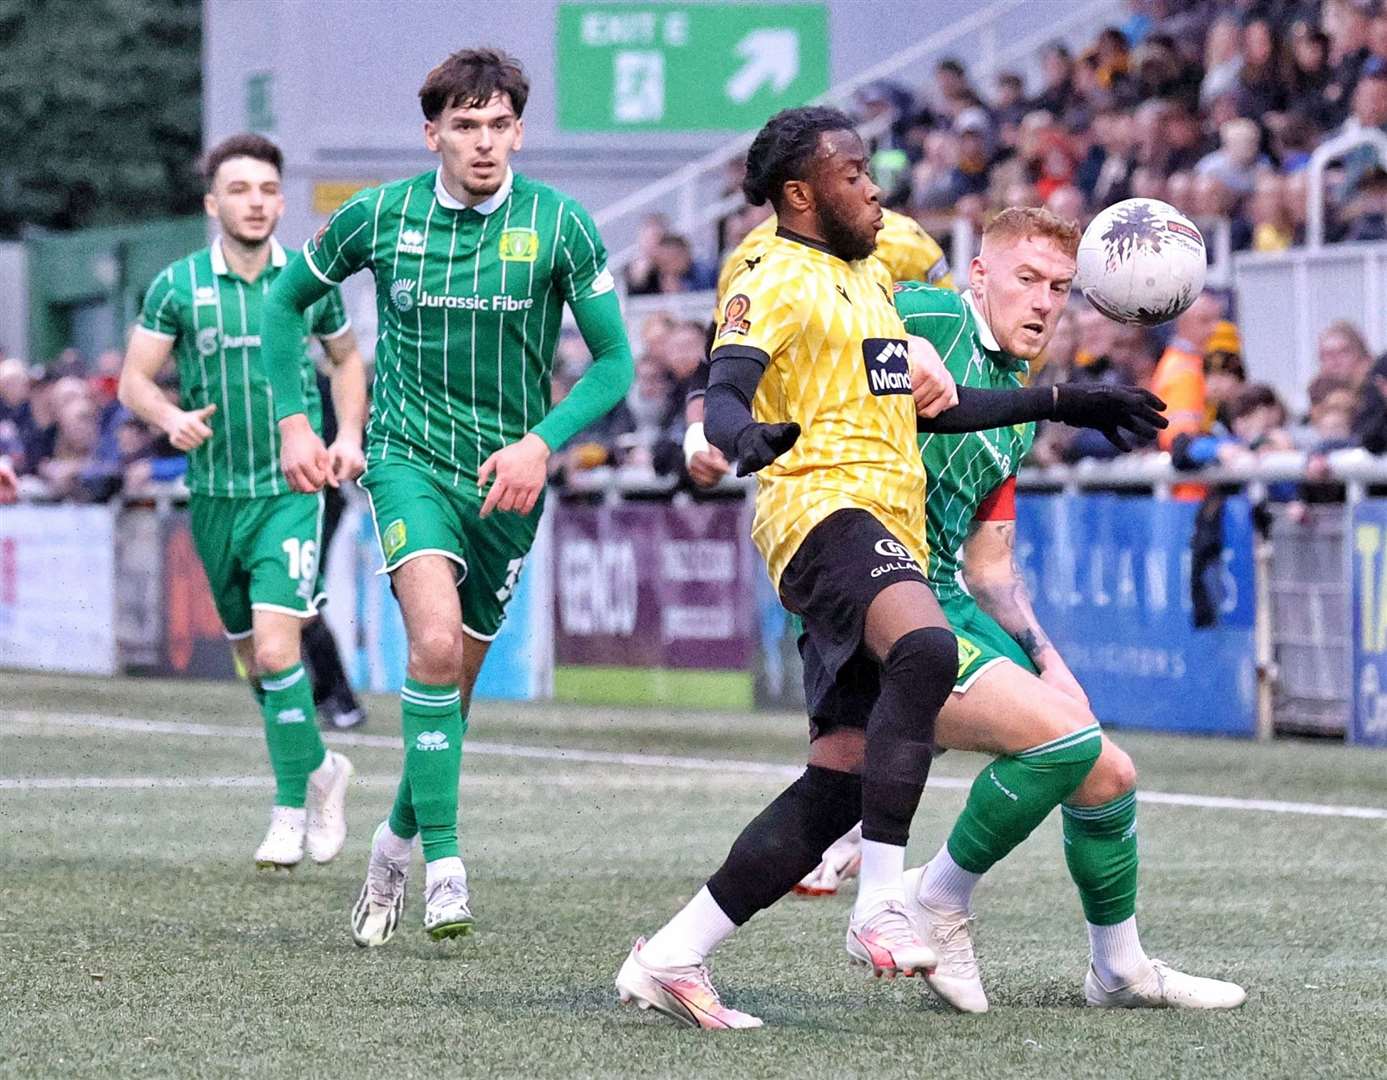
668, 973
907, 632
421, 549
337, 704
1047, 744
1100, 846
281, 537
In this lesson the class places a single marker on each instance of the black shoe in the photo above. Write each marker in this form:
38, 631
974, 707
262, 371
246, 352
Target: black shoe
338, 714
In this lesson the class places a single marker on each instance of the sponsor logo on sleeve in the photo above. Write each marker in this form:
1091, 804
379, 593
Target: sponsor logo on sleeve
602, 283
887, 361
734, 320
519, 245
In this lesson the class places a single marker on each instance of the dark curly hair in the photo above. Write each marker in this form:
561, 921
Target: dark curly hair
783, 149
248, 145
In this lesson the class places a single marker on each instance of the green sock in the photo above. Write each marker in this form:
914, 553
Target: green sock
291, 732
1014, 794
402, 821
433, 730
1100, 846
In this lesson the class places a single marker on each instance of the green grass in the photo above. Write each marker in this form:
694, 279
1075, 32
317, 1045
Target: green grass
137, 940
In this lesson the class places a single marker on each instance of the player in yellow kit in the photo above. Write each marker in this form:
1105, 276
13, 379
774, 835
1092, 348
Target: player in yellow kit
904, 248
812, 386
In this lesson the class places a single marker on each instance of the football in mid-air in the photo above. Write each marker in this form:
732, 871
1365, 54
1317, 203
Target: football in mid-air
1141, 262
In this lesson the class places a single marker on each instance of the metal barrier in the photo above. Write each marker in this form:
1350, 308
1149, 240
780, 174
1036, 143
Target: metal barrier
1303, 568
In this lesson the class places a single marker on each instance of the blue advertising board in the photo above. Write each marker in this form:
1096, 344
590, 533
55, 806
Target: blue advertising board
1110, 579
1368, 550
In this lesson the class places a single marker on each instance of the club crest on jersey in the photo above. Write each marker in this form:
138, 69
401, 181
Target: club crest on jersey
402, 294
411, 242
887, 361
519, 245
393, 539
734, 320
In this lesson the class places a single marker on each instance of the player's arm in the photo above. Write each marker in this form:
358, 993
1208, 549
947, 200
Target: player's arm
997, 584
521, 469
704, 461
348, 381
151, 345
339, 250
1124, 414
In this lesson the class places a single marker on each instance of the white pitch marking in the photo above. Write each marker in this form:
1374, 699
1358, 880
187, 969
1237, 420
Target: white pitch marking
609, 757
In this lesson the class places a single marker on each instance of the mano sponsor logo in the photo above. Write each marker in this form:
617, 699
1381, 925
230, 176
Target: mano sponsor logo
290, 716
887, 362
431, 740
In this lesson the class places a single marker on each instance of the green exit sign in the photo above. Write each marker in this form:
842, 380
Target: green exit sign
687, 67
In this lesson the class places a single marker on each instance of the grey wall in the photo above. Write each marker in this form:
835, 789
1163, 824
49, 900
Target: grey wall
14, 300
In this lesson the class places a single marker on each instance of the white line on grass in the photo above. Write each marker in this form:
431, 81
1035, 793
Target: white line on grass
591, 757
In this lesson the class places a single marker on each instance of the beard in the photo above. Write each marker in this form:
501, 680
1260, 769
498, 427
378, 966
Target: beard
849, 243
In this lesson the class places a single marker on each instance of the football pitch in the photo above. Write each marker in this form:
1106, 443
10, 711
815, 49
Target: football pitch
137, 939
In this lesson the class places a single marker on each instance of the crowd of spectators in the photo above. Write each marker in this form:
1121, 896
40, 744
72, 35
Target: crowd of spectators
67, 437
1211, 105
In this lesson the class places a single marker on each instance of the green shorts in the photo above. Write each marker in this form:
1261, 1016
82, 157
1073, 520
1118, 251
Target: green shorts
982, 643
259, 554
418, 514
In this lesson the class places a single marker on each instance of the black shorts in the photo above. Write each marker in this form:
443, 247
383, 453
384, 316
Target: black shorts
844, 562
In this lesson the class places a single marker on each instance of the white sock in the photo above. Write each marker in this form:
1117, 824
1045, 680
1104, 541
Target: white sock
691, 935
442, 868
319, 776
881, 877
394, 848
296, 817
946, 886
1117, 953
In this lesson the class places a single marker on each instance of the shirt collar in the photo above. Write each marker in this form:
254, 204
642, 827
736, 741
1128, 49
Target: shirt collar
985, 334
489, 205
278, 257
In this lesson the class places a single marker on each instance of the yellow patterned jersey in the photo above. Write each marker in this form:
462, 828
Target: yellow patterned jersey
910, 253
835, 359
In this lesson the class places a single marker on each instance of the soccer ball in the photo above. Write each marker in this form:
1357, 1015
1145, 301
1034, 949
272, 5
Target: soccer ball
1141, 262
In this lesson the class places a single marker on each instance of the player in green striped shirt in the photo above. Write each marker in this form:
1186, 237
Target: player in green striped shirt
1014, 695
473, 264
257, 539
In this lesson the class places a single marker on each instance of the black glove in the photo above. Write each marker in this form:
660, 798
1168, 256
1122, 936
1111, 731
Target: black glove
760, 444
1119, 412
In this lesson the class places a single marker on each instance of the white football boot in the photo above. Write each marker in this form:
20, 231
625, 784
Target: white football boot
887, 942
327, 807
955, 979
841, 861
446, 914
378, 910
685, 994
282, 848
1162, 987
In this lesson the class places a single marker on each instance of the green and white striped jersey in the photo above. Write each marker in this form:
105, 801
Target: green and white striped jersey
212, 316
470, 303
962, 470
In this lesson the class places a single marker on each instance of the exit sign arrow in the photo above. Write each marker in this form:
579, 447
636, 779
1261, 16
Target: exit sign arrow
771, 56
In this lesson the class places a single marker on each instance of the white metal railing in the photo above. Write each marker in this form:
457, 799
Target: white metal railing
1325, 153
1355, 468
988, 23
